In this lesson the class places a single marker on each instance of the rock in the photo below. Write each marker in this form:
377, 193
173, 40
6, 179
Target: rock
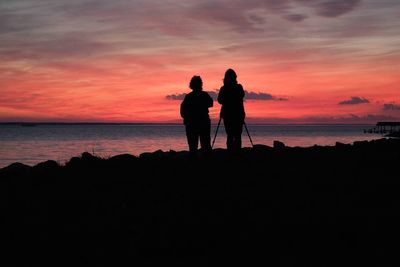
342, 145
123, 159
145, 155
260, 147
16, 169
73, 162
89, 159
180, 154
279, 144
155, 155
360, 144
46, 166
86, 156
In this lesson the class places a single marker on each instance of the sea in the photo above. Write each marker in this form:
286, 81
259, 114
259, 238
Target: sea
33, 143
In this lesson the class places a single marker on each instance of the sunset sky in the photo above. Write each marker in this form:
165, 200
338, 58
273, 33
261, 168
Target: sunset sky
300, 61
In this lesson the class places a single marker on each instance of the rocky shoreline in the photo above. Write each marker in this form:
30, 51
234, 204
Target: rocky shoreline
321, 205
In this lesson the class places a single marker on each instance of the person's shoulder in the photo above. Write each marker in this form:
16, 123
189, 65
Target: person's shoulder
240, 86
187, 96
205, 94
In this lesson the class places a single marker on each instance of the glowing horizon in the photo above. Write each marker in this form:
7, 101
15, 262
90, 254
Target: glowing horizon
300, 61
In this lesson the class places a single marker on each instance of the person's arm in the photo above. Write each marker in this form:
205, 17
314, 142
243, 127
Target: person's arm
221, 96
241, 91
183, 108
210, 101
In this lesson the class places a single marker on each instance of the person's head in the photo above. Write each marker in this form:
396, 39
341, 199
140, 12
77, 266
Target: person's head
230, 77
196, 84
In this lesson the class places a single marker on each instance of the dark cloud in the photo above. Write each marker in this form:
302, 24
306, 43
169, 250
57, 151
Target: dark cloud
345, 119
335, 8
295, 17
248, 96
391, 106
355, 100
237, 14
213, 94
41, 32
372, 118
263, 96
14, 23
232, 14
55, 48
176, 96
51, 29
257, 19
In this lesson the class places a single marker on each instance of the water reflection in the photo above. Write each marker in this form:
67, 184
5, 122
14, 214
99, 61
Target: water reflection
31, 145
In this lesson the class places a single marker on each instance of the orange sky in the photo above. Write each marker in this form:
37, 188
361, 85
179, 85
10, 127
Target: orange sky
300, 61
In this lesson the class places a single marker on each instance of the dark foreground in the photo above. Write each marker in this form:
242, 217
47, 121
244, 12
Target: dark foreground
314, 206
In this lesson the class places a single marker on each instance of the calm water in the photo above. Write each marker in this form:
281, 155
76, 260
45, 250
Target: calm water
30, 145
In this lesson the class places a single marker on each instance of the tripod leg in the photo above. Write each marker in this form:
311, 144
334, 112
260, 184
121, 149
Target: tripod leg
247, 130
216, 132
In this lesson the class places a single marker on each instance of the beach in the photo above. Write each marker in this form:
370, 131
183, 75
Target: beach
314, 206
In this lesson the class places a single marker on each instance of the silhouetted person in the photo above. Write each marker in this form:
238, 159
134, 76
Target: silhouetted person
194, 111
231, 97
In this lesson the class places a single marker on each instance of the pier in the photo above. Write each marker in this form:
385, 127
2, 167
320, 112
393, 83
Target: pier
384, 127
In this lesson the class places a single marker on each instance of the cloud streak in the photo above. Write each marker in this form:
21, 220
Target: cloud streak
248, 96
391, 106
354, 100
176, 96
263, 97
239, 17
296, 17
54, 30
335, 8
213, 94
119, 59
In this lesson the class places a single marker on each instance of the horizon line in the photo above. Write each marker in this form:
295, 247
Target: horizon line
32, 123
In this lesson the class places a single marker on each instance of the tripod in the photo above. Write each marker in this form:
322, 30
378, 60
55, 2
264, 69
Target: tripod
216, 132
247, 130
245, 126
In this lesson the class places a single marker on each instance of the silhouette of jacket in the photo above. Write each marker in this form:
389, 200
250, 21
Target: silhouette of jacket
231, 99
194, 108
194, 111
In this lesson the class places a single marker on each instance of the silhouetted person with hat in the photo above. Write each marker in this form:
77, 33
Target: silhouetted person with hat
194, 111
231, 97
